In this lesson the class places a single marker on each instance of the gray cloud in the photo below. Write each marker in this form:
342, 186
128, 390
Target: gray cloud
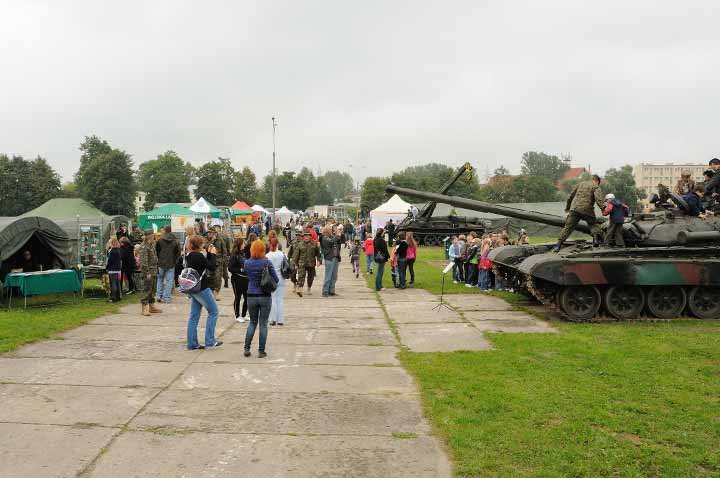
381, 84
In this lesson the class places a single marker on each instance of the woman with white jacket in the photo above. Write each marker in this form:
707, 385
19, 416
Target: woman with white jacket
276, 257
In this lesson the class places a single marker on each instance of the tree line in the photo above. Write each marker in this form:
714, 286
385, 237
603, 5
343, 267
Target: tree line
540, 180
108, 180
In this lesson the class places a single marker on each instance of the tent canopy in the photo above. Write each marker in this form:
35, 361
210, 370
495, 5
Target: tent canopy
395, 208
204, 207
48, 243
241, 208
258, 208
162, 216
283, 215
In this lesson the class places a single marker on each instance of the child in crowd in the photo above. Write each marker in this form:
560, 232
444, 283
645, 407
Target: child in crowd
369, 249
485, 265
394, 273
355, 257
471, 263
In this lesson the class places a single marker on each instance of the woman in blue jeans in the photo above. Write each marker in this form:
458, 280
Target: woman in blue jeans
259, 302
381, 256
204, 298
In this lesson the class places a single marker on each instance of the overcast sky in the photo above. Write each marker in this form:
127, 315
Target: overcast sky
379, 84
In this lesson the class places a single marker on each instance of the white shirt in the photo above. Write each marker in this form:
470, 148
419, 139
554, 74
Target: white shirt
276, 259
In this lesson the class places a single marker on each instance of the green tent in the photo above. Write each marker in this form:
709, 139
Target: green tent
162, 215
49, 245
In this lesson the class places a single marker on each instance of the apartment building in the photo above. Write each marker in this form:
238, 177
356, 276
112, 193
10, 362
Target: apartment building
648, 176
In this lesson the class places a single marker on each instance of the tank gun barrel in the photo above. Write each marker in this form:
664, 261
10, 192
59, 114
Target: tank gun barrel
474, 205
686, 237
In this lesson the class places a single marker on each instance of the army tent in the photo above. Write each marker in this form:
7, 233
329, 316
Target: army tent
76, 216
48, 243
395, 208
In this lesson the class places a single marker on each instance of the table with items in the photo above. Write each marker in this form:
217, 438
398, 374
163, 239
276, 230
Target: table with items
54, 281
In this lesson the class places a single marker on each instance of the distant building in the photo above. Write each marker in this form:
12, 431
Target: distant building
572, 173
648, 176
140, 202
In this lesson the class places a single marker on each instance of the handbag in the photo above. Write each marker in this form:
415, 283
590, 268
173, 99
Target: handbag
287, 269
267, 282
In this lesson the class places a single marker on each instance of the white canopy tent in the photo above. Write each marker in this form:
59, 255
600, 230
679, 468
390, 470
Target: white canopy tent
283, 215
395, 208
202, 206
259, 208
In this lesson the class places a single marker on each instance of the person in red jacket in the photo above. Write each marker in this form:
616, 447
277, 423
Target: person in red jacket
617, 212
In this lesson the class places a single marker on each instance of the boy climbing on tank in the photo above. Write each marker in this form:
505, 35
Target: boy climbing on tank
617, 211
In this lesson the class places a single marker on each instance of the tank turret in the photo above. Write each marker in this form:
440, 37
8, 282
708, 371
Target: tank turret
670, 267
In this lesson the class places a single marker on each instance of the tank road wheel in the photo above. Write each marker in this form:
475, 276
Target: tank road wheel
429, 240
580, 303
704, 302
624, 302
666, 302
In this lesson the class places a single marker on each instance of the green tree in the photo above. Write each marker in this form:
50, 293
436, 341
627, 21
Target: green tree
105, 178
568, 185
322, 193
216, 182
621, 183
25, 184
165, 179
521, 189
431, 177
69, 190
535, 163
338, 184
372, 193
245, 186
291, 191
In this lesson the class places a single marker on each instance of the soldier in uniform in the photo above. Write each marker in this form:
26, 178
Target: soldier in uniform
306, 254
228, 247
149, 270
581, 206
215, 278
136, 236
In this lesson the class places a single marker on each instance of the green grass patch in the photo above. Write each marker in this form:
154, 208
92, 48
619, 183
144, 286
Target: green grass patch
404, 435
631, 399
20, 326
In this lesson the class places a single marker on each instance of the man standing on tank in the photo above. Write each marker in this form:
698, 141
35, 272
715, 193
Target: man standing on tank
581, 206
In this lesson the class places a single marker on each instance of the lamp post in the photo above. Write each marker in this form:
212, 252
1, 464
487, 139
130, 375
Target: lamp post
274, 177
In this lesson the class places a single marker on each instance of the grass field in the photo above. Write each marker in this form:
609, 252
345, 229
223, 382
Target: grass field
46, 317
628, 399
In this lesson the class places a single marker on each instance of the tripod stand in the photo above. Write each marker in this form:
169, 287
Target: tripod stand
442, 302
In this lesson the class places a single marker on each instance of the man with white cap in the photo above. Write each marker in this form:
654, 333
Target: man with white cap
616, 211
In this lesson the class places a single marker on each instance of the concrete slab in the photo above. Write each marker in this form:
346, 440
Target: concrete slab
334, 323
40, 451
71, 405
420, 312
290, 354
334, 312
514, 326
317, 301
282, 335
158, 320
107, 373
283, 413
135, 333
477, 301
442, 337
295, 378
391, 294
108, 350
140, 454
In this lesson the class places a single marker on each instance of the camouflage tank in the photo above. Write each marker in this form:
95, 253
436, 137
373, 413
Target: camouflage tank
431, 230
670, 265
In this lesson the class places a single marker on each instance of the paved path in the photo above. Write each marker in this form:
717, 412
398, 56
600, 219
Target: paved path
122, 397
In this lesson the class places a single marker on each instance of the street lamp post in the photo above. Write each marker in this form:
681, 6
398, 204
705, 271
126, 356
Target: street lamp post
274, 177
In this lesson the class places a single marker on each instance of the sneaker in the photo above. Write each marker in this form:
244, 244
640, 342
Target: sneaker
262, 355
468, 285
217, 343
281, 324
239, 320
273, 323
199, 347
455, 282
299, 293
333, 294
247, 353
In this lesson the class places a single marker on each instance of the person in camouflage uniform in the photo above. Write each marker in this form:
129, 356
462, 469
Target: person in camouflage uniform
215, 278
581, 206
149, 270
136, 236
222, 236
306, 254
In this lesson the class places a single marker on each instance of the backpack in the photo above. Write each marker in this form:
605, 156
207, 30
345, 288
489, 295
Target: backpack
190, 281
287, 269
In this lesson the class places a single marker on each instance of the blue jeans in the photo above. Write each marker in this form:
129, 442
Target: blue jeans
198, 300
168, 276
402, 272
369, 259
277, 311
379, 275
259, 309
331, 270
484, 282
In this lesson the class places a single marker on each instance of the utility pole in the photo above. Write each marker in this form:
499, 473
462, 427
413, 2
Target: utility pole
274, 176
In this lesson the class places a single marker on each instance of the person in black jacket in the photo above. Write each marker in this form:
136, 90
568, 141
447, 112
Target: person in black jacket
694, 201
128, 263
401, 254
238, 279
204, 297
381, 257
114, 269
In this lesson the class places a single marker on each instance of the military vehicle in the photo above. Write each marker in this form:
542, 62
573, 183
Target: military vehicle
670, 265
429, 230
